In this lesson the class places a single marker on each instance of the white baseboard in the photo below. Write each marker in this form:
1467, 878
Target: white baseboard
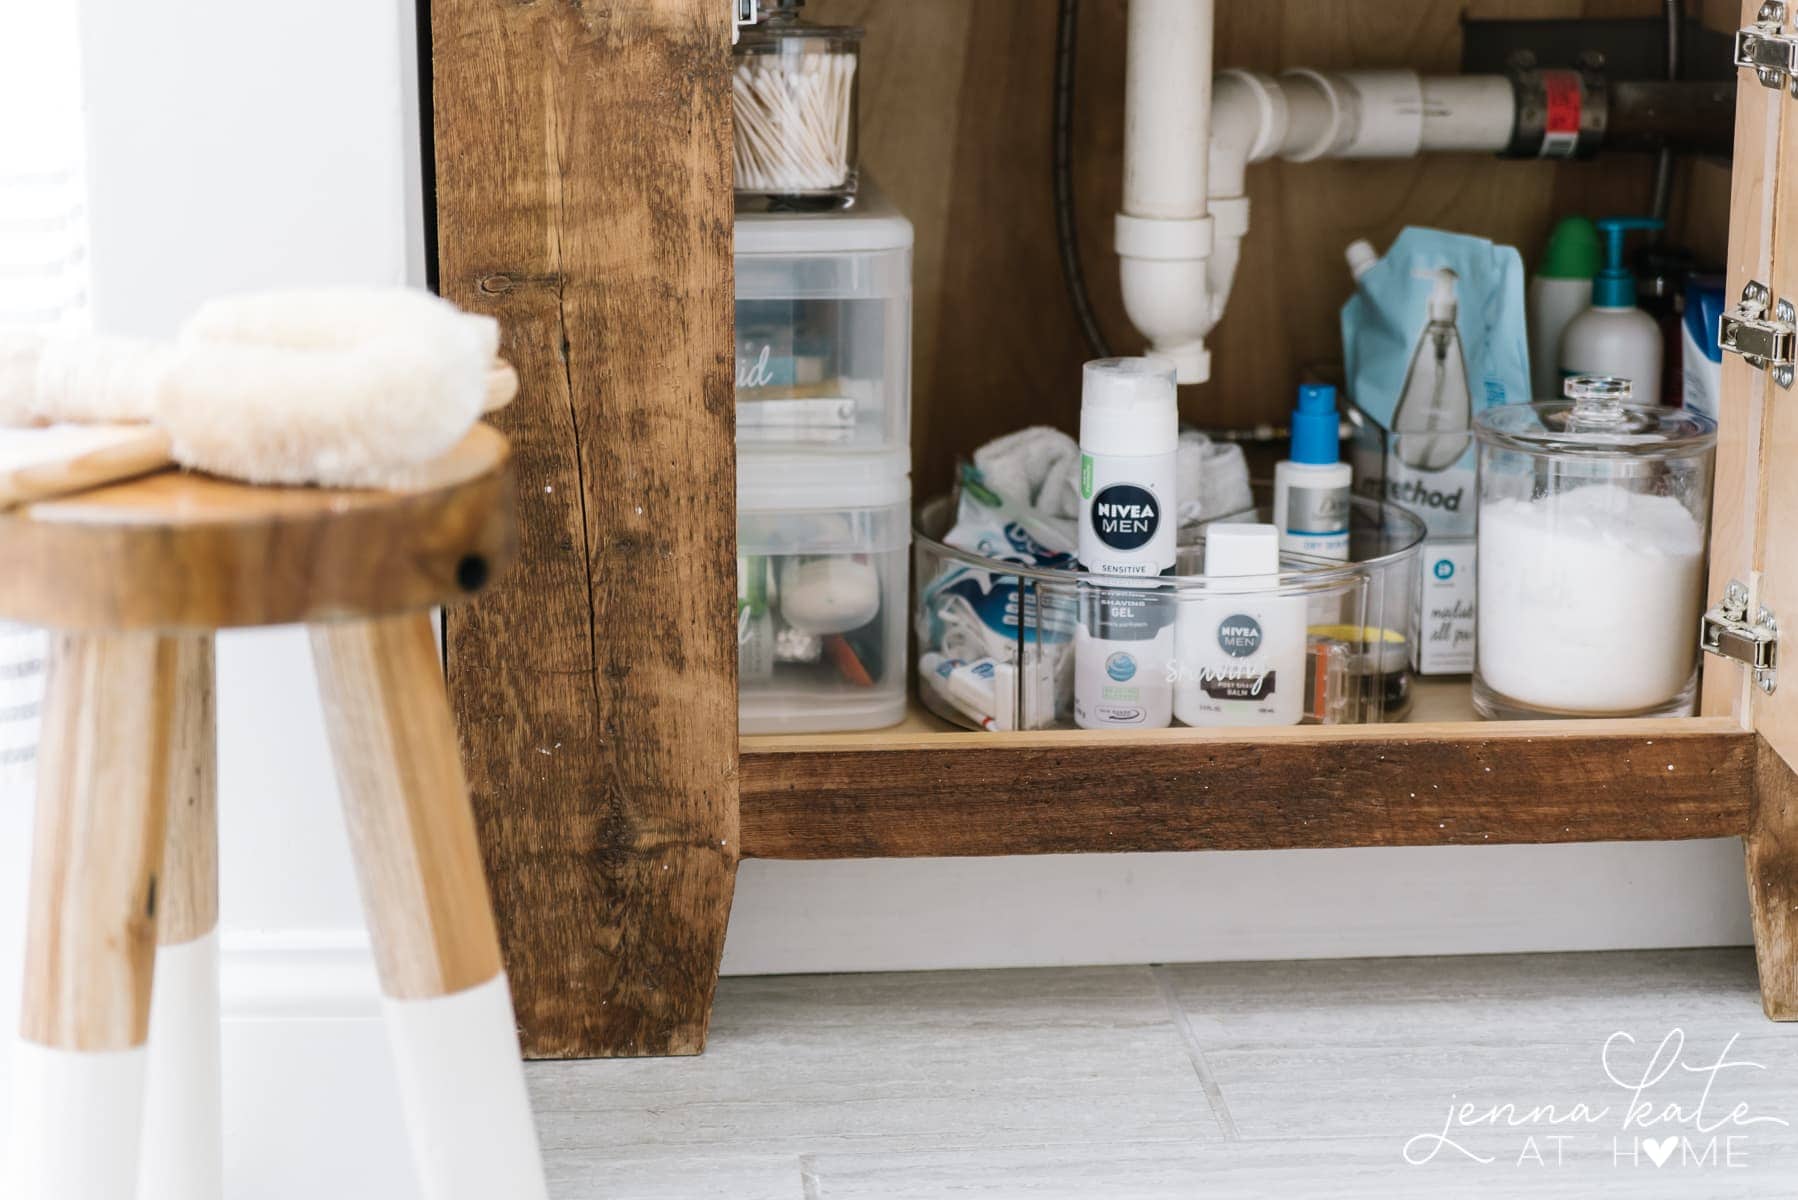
298, 975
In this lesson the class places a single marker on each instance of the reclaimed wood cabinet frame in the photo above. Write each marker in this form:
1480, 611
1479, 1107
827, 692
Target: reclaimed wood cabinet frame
583, 197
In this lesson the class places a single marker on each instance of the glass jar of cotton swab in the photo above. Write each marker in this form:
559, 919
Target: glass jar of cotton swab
793, 91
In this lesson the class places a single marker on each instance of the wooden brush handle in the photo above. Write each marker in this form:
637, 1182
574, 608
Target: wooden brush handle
119, 452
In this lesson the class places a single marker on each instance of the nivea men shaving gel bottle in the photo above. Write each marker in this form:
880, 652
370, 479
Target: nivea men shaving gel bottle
1129, 433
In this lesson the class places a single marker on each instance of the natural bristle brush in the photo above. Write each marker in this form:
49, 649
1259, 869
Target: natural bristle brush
342, 388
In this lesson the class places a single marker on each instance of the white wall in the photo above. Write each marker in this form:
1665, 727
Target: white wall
238, 145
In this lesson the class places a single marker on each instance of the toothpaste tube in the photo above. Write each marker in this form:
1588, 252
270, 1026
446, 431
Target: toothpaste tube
984, 691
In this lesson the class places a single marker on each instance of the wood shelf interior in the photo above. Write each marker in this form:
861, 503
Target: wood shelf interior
925, 788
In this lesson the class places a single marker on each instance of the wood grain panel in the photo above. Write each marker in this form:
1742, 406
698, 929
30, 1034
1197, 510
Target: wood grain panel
190, 854
184, 551
960, 139
1772, 844
90, 932
1776, 448
406, 804
1740, 485
930, 794
583, 198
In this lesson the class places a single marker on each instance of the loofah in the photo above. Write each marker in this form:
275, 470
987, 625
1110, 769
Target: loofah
345, 388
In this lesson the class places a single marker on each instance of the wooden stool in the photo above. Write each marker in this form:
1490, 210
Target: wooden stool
135, 578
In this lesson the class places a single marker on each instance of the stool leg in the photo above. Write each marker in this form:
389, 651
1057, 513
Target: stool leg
91, 924
449, 1012
183, 1158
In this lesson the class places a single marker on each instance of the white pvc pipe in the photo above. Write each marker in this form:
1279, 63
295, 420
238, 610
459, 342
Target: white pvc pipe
462, 1084
1468, 113
183, 1158
76, 1116
1305, 115
1167, 107
1164, 232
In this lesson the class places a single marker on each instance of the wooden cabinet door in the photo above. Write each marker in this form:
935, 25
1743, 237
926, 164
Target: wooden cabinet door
1738, 520
1755, 526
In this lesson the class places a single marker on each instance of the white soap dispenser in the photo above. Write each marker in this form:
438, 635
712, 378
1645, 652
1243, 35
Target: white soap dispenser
1614, 337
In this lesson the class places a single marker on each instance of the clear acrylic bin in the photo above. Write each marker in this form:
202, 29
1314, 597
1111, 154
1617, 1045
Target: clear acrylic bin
823, 307
821, 593
996, 639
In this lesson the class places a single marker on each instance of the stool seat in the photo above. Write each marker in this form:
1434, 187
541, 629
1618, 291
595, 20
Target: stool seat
179, 551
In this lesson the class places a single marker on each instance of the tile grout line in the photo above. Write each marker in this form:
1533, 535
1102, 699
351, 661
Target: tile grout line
1214, 1095
808, 1177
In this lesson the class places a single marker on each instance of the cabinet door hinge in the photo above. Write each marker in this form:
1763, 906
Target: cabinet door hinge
1766, 341
1727, 632
1768, 48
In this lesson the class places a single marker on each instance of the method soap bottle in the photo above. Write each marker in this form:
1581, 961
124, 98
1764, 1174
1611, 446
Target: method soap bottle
1123, 643
1240, 654
1311, 489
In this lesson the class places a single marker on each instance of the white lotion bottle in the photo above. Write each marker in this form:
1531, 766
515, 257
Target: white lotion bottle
1311, 489
1240, 651
1614, 337
1560, 291
1123, 642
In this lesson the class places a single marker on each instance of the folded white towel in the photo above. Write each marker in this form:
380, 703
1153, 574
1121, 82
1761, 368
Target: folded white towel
1040, 467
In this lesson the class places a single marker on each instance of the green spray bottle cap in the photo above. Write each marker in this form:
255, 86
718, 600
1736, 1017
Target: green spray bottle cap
1572, 251
1615, 285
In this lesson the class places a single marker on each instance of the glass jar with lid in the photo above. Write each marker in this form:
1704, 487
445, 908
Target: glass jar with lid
1594, 519
793, 96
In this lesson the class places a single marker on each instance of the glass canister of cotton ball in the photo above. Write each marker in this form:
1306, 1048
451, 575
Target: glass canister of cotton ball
1594, 517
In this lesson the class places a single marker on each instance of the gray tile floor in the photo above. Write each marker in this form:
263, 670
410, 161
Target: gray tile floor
1237, 1080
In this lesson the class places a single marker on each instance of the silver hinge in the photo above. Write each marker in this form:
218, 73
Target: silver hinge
1768, 48
743, 12
1727, 632
1766, 342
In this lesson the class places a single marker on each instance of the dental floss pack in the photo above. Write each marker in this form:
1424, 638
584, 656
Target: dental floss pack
1434, 332
976, 628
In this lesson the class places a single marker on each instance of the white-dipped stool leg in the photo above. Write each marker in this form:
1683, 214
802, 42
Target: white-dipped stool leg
462, 1083
183, 1157
64, 1101
91, 925
419, 866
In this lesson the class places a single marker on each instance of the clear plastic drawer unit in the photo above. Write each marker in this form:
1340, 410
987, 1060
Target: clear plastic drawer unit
822, 555
824, 330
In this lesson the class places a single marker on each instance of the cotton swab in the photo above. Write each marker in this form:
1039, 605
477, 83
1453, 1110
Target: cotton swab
794, 115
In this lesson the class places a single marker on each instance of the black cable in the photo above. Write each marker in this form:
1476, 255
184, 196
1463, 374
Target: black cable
1663, 162
1067, 236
